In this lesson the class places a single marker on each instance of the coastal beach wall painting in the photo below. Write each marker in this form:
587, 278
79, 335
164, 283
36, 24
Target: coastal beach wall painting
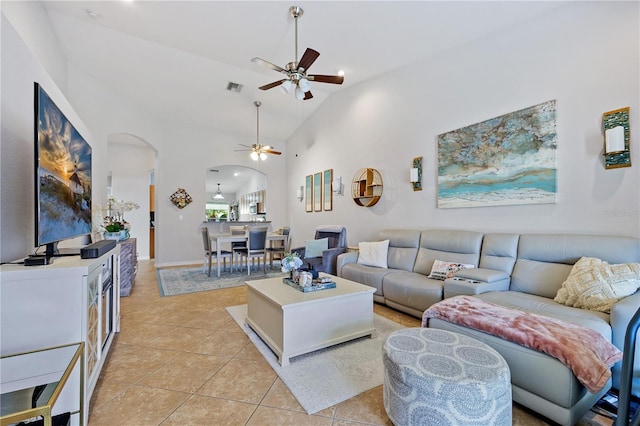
507, 160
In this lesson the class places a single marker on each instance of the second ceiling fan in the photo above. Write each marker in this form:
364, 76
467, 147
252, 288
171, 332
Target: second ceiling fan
258, 151
296, 72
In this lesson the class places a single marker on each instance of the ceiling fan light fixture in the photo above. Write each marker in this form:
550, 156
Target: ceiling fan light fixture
254, 156
296, 71
263, 156
303, 83
286, 86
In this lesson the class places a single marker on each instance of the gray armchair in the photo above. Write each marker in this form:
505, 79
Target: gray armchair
337, 244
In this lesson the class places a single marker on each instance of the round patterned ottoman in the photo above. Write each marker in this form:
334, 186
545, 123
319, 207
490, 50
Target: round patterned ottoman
436, 377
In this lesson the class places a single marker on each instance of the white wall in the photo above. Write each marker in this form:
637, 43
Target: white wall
20, 69
31, 21
584, 55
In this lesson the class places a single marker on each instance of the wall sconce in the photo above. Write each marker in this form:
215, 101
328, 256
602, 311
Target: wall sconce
617, 143
337, 185
415, 175
299, 193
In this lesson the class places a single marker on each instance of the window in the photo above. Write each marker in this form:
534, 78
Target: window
217, 210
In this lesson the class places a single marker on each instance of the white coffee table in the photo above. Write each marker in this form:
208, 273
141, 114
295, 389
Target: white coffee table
293, 323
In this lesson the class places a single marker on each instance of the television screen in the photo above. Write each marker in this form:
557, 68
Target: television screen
62, 174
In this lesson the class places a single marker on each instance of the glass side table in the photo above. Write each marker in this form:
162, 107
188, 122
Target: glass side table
32, 382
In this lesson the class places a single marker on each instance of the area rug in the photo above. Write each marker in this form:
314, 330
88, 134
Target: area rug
329, 376
176, 281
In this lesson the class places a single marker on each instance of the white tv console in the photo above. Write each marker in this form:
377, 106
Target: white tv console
58, 304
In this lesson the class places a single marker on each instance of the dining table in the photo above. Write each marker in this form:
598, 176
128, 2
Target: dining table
219, 239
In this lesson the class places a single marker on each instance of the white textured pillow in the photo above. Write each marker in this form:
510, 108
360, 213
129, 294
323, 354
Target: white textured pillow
373, 253
596, 285
442, 270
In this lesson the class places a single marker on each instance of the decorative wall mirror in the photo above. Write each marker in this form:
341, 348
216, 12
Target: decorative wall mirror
617, 144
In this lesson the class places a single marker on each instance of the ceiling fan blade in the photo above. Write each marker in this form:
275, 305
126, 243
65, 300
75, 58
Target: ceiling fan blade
270, 151
268, 64
272, 85
307, 95
333, 79
308, 58
248, 146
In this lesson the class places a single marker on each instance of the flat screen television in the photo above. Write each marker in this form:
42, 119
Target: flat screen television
62, 177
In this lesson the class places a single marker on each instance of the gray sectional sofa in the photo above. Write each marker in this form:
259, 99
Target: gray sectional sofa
518, 271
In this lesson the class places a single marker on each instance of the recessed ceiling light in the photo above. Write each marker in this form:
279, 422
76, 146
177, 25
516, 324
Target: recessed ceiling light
93, 13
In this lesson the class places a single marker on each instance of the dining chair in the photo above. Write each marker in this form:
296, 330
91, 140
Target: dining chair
278, 248
256, 247
210, 252
238, 230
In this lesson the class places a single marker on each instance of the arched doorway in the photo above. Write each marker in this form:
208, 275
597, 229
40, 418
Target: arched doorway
131, 164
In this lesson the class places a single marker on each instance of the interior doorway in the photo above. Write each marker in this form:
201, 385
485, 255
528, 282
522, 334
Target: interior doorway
129, 162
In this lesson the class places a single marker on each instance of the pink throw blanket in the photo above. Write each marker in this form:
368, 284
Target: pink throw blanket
585, 351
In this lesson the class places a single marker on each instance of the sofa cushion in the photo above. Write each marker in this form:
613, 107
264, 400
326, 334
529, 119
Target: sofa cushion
403, 247
499, 251
367, 275
597, 285
373, 253
452, 246
314, 248
539, 278
412, 290
442, 270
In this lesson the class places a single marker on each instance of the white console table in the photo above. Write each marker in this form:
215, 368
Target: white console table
62, 303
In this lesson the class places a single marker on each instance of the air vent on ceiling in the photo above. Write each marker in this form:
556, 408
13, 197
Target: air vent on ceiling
234, 87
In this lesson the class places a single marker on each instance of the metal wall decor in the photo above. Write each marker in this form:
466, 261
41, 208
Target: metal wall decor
617, 143
416, 165
181, 198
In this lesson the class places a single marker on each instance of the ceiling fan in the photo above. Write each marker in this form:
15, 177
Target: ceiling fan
295, 71
258, 151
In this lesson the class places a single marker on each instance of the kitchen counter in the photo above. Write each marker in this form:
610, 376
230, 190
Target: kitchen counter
223, 227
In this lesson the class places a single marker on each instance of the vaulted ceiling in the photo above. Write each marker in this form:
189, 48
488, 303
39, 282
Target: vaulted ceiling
176, 58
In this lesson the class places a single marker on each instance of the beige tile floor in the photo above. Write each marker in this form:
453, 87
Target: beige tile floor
182, 360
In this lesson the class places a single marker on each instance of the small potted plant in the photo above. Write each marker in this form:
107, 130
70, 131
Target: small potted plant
116, 228
290, 263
